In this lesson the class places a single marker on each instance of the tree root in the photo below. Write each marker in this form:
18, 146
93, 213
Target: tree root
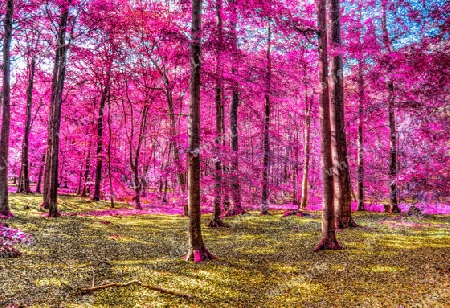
216, 223
328, 244
199, 255
235, 212
136, 282
341, 224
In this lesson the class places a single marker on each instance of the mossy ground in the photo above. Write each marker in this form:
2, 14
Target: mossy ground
263, 261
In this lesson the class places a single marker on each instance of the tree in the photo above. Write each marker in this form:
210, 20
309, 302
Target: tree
235, 185
196, 249
59, 75
341, 173
307, 143
393, 208
215, 219
98, 169
6, 113
328, 219
266, 139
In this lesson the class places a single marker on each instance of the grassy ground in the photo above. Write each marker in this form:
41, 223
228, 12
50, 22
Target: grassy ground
263, 261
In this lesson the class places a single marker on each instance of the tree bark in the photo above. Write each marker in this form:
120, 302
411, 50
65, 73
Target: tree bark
59, 74
87, 169
341, 174
393, 206
329, 240
6, 114
41, 171
99, 167
137, 154
307, 144
215, 219
235, 185
196, 247
266, 140
111, 188
24, 179
360, 141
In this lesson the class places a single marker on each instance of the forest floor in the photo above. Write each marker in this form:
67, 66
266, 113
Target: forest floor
262, 261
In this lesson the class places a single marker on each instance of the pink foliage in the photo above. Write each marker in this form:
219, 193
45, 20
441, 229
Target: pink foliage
10, 237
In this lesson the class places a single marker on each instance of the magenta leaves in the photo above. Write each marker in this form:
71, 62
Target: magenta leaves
9, 238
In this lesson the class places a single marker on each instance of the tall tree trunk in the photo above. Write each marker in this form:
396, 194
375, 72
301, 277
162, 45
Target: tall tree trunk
266, 141
307, 144
137, 154
57, 92
24, 179
173, 135
6, 115
329, 240
360, 141
393, 208
393, 152
296, 168
341, 175
235, 186
215, 219
111, 188
196, 247
98, 169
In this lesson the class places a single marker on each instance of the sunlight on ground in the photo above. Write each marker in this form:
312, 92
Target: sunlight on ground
263, 261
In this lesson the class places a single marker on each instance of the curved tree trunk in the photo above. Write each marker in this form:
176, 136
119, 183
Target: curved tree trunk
196, 249
6, 115
328, 222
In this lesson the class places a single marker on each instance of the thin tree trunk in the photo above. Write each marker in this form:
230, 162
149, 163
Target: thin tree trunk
111, 188
296, 168
360, 141
341, 175
24, 179
266, 141
329, 240
215, 219
6, 115
137, 153
393, 207
196, 247
84, 192
307, 154
57, 91
99, 167
41, 171
393, 152
235, 186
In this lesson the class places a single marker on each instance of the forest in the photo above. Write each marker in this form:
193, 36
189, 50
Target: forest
225, 153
